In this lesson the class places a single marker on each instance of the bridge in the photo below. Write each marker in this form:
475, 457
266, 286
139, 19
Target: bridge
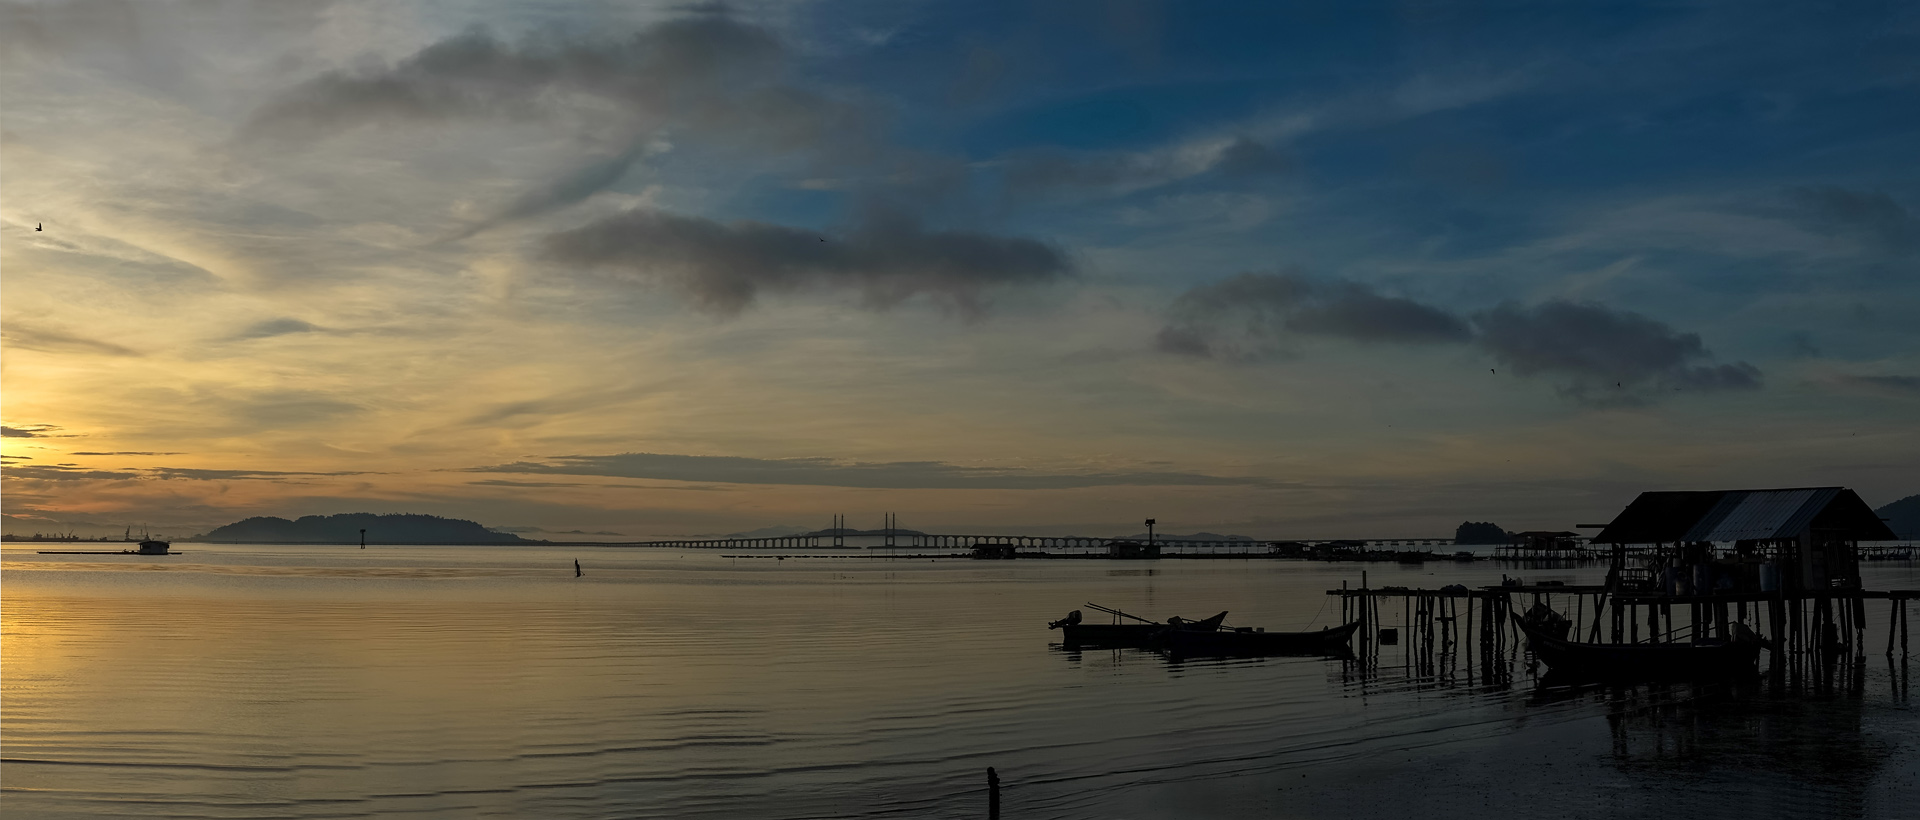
872, 540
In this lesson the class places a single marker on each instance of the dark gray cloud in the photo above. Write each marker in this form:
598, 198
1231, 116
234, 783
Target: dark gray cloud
822, 472
277, 327
33, 431
1602, 355
677, 65
1870, 217
724, 267
1253, 313
1593, 353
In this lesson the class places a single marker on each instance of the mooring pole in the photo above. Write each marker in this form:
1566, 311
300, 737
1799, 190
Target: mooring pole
993, 794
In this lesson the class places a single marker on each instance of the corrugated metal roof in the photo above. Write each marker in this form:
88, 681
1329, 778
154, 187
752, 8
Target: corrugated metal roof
1740, 515
1761, 514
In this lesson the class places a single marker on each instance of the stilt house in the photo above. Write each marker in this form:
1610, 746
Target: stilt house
1794, 541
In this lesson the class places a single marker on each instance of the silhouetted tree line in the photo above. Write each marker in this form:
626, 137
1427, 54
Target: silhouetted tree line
1479, 532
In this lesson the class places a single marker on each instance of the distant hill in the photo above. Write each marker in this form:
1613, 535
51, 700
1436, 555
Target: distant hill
1903, 516
399, 528
1479, 532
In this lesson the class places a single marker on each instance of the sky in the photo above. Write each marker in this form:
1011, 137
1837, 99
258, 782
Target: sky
1287, 270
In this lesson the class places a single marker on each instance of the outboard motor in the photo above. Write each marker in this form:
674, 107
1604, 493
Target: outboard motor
1072, 619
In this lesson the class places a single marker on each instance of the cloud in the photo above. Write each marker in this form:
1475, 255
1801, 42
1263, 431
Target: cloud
192, 474
66, 472
277, 327
502, 482
288, 408
56, 341
822, 472
584, 181
1892, 385
1052, 170
126, 454
1870, 217
725, 267
1595, 354
33, 431
1600, 354
1253, 313
69, 472
705, 76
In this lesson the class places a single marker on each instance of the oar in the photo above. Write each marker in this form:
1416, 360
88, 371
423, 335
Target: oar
1092, 605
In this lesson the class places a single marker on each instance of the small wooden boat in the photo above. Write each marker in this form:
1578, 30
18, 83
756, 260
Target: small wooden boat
1135, 632
1707, 658
1249, 641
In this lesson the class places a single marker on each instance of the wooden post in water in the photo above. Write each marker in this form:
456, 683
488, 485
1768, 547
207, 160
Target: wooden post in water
1893, 622
993, 794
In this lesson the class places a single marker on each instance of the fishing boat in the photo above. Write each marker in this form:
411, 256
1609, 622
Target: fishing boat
1705, 658
1126, 630
1251, 641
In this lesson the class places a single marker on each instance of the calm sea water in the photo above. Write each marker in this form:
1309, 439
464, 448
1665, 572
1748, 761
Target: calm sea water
307, 682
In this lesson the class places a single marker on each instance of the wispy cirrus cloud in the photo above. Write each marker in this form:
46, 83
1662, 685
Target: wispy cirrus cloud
32, 336
705, 75
825, 472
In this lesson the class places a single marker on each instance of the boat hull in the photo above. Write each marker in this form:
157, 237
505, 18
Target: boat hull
1125, 635
1644, 662
1330, 641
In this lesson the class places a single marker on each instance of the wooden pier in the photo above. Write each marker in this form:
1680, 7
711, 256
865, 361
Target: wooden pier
1686, 567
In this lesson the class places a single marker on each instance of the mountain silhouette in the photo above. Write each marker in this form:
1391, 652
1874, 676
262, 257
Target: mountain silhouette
397, 528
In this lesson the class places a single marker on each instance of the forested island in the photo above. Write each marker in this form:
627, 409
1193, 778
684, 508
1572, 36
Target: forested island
345, 528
